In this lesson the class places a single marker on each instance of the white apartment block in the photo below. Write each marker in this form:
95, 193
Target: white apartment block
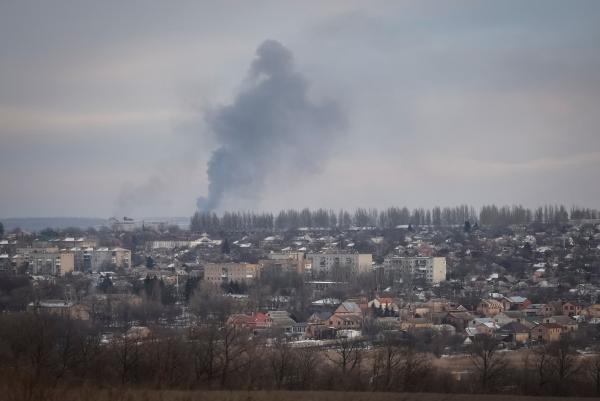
324, 263
432, 269
172, 244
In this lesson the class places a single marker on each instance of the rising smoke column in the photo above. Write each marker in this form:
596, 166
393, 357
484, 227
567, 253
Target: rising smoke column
272, 125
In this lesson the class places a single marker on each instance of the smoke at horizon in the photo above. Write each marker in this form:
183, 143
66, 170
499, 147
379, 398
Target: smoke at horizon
271, 126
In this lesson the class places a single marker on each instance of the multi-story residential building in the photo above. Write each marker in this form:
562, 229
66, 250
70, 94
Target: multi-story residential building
72, 242
431, 269
51, 260
325, 263
278, 265
131, 225
288, 261
169, 244
58, 262
108, 258
217, 273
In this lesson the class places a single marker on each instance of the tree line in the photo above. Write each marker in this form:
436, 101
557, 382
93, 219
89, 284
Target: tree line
488, 215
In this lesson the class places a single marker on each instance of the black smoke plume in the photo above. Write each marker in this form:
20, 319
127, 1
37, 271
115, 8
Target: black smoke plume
272, 125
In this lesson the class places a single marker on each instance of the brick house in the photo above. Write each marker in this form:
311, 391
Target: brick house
571, 308
490, 307
546, 332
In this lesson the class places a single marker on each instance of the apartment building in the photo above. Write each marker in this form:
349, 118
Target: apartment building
107, 258
326, 262
289, 261
431, 269
217, 273
51, 261
58, 262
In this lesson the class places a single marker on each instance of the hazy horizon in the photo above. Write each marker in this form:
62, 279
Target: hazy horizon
120, 108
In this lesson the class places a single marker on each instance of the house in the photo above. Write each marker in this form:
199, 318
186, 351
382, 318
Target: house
384, 303
503, 318
445, 329
484, 325
239, 320
487, 328
571, 308
515, 332
346, 321
531, 321
255, 321
538, 310
437, 305
515, 303
138, 333
60, 308
416, 323
318, 326
388, 323
459, 319
567, 323
592, 311
546, 332
348, 307
299, 330
281, 321
490, 307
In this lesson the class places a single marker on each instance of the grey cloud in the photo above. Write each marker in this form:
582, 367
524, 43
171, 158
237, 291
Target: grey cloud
271, 125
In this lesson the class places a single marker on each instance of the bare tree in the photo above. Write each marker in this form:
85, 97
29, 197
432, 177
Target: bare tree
308, 361
165, 360
232, 354
386, 364
413, 369
281, 362
28, 352
489, 365
126, 351
592, 369
204, 349
564, 363
346, 358
542, 366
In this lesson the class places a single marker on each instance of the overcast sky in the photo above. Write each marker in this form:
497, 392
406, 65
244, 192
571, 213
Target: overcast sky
103, 104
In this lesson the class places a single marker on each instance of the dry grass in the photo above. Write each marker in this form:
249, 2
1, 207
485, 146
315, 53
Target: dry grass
145, 395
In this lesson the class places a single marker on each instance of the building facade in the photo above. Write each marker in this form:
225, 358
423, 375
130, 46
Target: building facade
218, 273
58, 262
327, 263
45, 261
431, 269
109, 258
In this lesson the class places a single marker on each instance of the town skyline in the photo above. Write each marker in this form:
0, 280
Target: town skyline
426, 104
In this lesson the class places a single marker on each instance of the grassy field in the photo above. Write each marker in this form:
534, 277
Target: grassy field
117, 395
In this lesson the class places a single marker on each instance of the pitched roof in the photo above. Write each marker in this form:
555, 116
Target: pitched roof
349, 318
561, 319
322, 316
516, 299
549, 326
461, 315
348, 307
514, 327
